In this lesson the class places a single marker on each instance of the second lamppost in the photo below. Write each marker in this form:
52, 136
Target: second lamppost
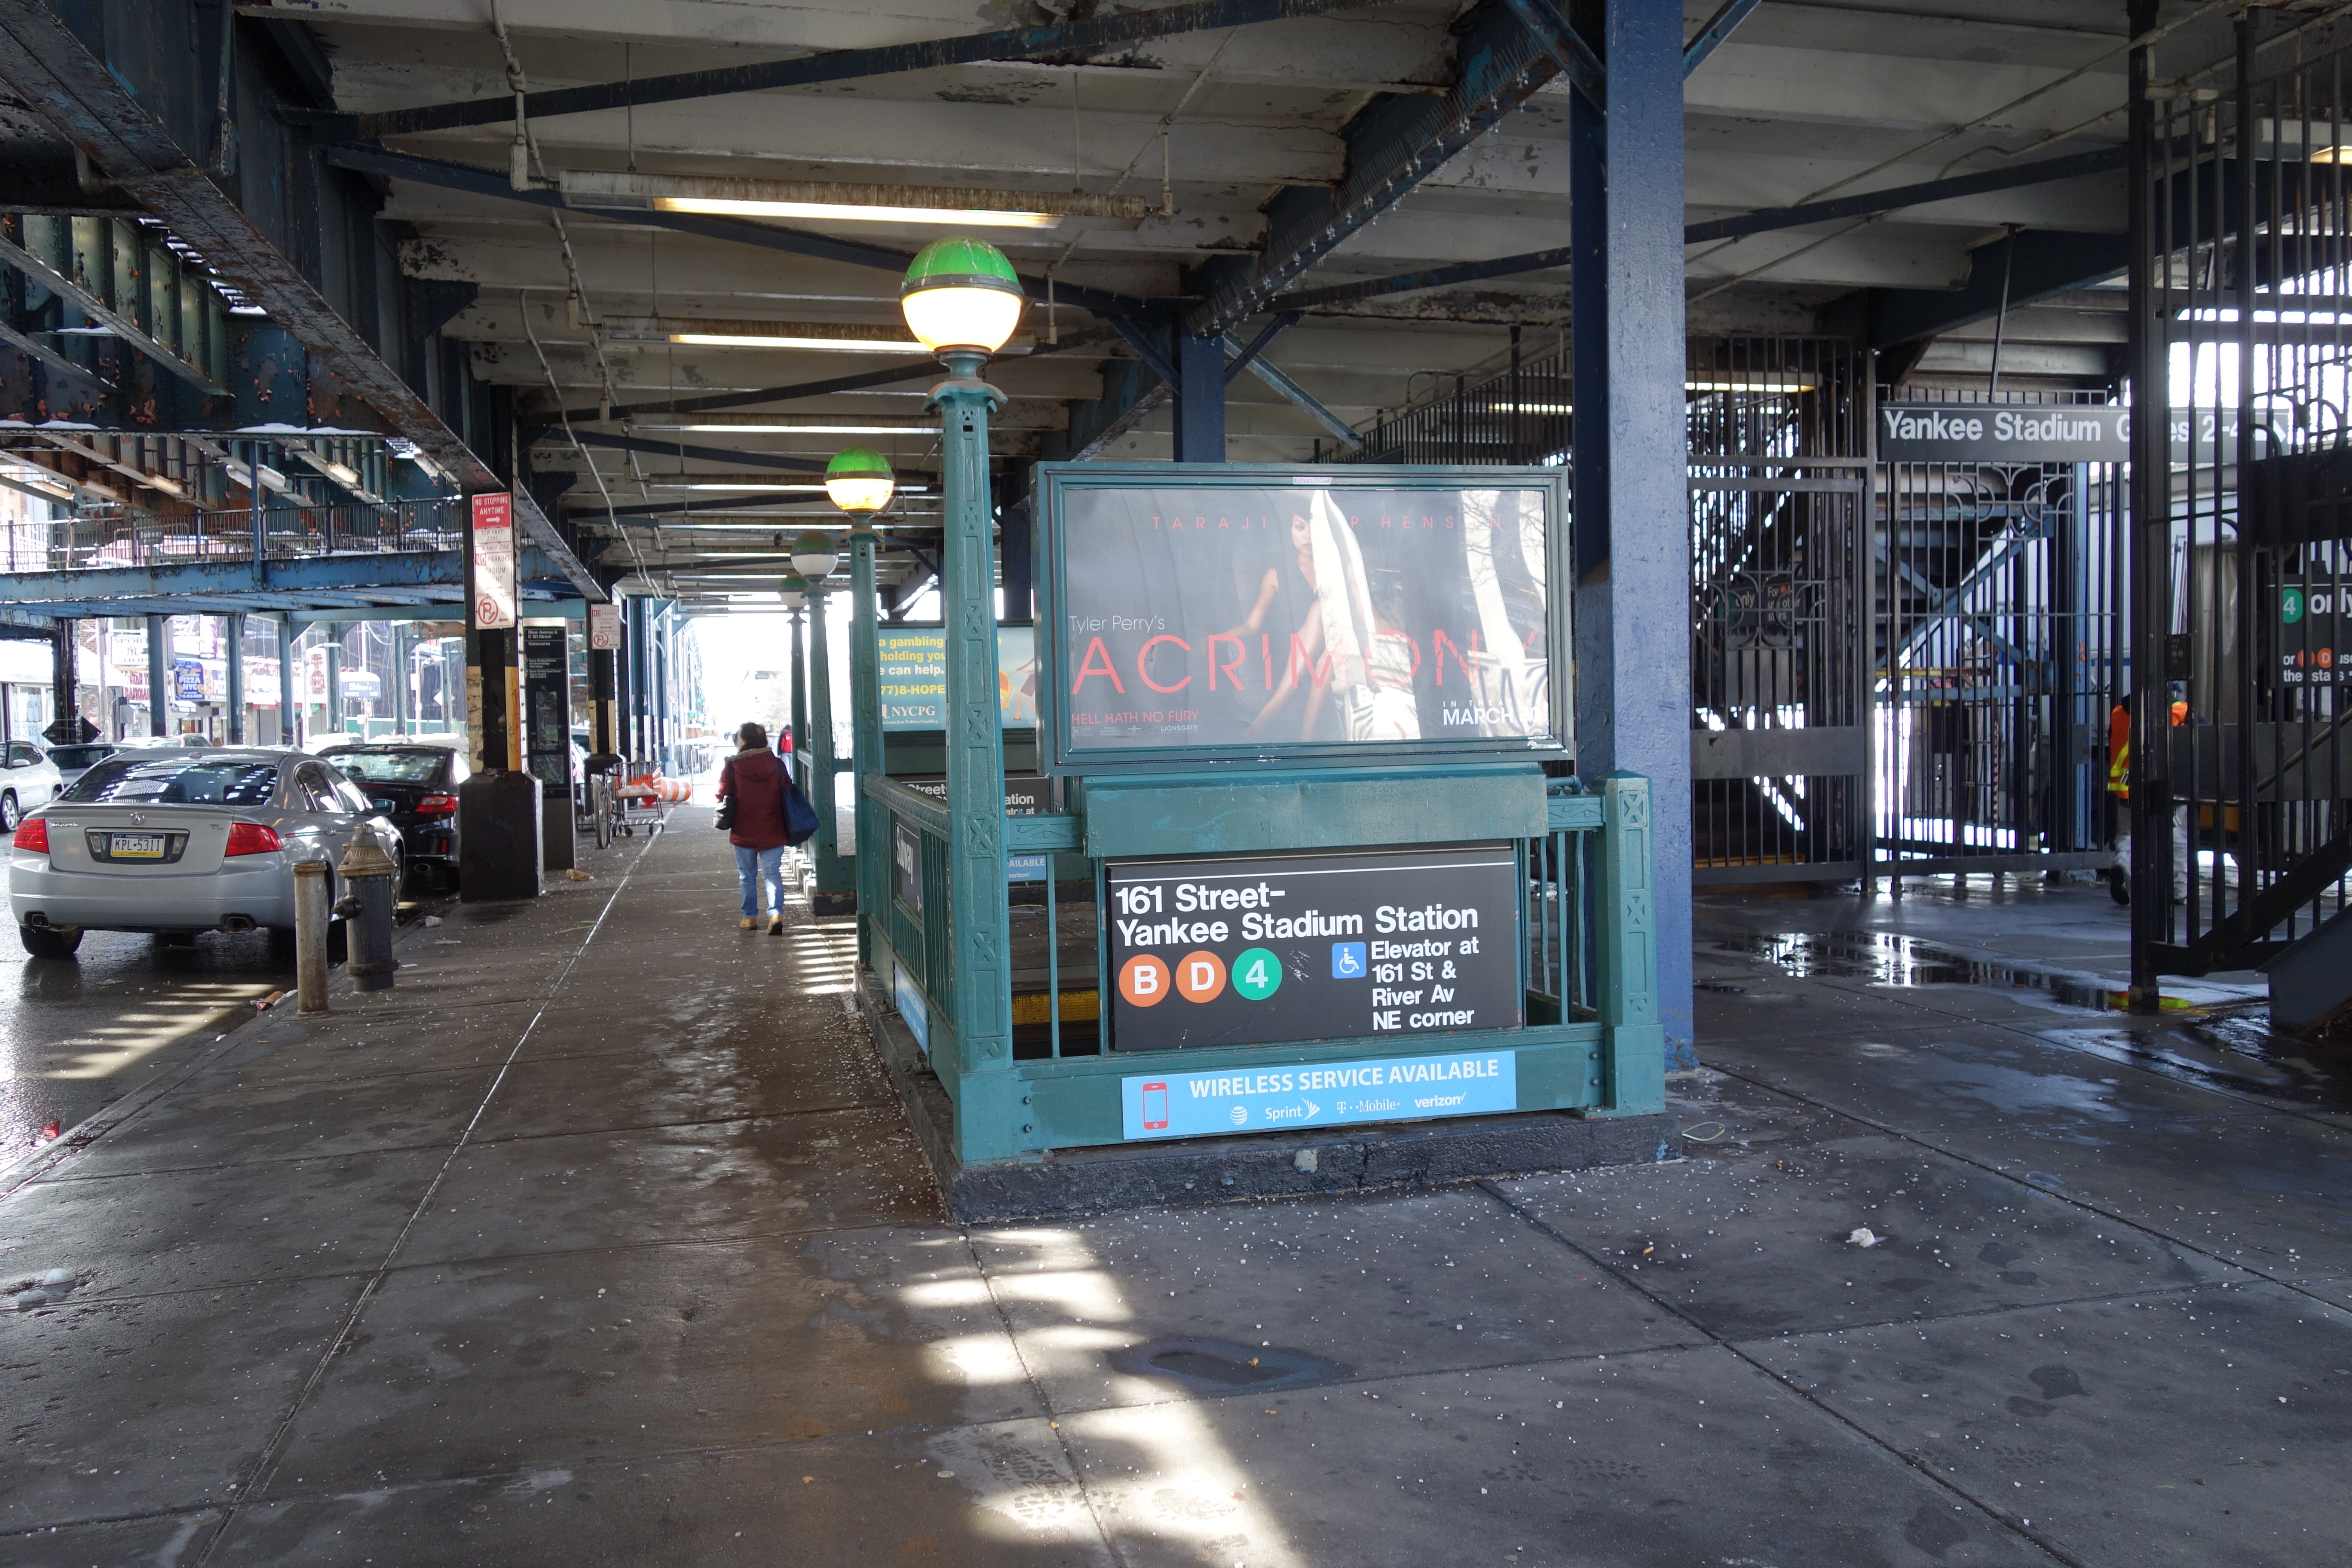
962, 300
860, 483
814, 557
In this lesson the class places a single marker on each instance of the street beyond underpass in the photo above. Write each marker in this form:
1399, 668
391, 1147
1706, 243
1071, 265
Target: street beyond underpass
601, 1238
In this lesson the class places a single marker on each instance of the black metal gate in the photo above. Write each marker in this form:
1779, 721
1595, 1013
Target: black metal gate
1780, 582
2242, 508
1997, 649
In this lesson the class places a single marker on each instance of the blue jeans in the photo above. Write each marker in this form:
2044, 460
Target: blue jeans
754, 865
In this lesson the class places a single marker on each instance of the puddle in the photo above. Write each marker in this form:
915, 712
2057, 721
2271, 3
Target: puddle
1883, 958
1221, 1367
2220, 1045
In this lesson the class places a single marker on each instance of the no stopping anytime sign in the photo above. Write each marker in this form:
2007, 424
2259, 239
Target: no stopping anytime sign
1259, 950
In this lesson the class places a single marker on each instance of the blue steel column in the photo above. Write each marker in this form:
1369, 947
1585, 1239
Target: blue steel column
989, 1122
1633, 507
334, 721
233, 630
865, 737
1200, 399
800, 706
834, 892
159, 694
290, 732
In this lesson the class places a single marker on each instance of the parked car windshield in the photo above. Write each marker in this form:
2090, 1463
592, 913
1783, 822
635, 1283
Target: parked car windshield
79, 756
153, 779
388, 767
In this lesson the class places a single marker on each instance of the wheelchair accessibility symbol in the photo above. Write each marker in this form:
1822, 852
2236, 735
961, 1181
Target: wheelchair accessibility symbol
1348, 960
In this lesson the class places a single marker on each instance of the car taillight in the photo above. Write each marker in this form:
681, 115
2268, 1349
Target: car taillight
436, 805
32, 834
252, 838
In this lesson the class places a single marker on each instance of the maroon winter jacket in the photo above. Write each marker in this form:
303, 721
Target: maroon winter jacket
756, 782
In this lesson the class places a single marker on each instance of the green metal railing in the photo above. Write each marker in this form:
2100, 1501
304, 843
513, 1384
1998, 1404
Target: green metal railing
1590, 1041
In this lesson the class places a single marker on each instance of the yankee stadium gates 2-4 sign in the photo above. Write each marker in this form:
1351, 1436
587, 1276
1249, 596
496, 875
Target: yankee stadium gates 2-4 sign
2003, 433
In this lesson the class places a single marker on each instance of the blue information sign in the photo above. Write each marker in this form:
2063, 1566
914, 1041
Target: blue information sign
910, 998
1328, 1094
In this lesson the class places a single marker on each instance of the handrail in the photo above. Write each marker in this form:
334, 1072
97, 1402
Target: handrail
913, 805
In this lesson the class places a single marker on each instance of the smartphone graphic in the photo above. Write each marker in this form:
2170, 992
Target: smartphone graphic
1155, 1108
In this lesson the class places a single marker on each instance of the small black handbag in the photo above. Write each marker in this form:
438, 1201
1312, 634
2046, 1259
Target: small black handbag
726, 822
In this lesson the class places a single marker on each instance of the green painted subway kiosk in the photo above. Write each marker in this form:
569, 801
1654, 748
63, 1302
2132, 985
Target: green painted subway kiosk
1304, 848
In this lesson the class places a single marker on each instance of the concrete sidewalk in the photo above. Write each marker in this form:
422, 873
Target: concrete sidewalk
602, 1239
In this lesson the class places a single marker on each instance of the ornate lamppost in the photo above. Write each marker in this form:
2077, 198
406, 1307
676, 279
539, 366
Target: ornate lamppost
860, 483
962, 300
814, 555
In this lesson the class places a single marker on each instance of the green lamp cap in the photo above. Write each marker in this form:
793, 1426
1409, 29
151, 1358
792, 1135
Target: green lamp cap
959, 262
858, 462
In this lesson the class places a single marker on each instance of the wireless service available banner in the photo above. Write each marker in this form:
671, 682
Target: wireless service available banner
1289, 615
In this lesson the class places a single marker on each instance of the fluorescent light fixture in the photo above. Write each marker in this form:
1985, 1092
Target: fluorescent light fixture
784, 339
759, 485
2336, 154
812, 429
1775, 381
824, 202
850, 212
824, 337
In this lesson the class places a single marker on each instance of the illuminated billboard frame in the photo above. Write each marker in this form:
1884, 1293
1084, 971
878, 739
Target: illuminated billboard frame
1257, 504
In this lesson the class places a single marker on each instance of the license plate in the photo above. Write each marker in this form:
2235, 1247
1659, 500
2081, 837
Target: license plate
135, 845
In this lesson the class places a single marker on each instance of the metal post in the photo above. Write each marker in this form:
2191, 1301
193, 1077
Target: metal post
865, 737
800, 706
159, 663
1633, 508
289, 727
397, 677
233, 630
311, 926
836, 890
1200, 399
989, 1123
2147, 352
658, 616
1634, 1056
260, 517
334, 721
601, 672
67, 727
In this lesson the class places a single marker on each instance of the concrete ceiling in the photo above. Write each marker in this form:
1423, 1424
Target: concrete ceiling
1807, 97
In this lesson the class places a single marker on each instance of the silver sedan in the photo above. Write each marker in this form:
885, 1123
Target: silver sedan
182, 841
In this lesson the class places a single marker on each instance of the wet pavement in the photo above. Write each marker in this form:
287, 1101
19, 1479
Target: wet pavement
601, 1240
78, 1034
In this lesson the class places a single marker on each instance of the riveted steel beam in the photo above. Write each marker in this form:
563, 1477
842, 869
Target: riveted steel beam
54, 71
1056, 43
364, 158
1718, 27
1393, 147
356, 580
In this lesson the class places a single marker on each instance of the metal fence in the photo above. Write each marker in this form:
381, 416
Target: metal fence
2242, 838
1781, 576
1997, 651
111, 537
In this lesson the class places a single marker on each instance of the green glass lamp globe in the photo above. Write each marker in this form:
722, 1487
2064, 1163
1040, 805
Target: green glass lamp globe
860, 480
961, 294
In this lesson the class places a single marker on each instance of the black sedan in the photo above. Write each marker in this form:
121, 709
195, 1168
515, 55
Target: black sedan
416, 785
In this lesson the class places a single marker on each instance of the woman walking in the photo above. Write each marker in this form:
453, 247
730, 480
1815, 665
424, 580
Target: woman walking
753, 779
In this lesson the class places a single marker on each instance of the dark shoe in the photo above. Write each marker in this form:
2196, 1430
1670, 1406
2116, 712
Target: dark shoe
776, 925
